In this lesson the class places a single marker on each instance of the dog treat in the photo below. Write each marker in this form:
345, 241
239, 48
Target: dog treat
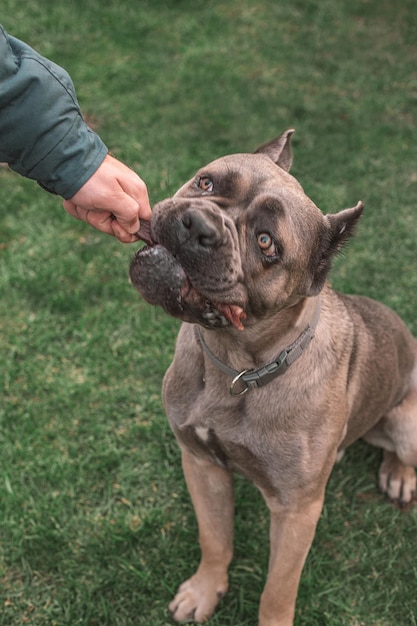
144, 232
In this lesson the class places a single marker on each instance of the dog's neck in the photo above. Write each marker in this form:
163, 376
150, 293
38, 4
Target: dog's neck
245, 379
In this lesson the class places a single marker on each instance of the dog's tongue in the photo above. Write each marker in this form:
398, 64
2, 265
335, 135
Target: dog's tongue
234, 313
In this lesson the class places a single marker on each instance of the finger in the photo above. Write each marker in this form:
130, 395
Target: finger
101, 220
121, 234
71, 208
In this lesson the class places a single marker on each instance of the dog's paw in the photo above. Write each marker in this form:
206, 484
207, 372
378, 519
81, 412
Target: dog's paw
398, 481
197, 599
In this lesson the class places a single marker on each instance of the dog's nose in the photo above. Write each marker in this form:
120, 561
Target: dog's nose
201, 230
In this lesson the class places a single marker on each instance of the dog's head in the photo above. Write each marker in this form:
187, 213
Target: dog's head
240, 240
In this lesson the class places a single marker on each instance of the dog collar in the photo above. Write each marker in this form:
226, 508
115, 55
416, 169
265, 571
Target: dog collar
249, 379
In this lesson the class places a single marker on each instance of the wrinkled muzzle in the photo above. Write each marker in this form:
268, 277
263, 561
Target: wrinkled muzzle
162, 280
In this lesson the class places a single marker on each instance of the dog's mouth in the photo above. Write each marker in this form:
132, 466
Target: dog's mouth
161, 280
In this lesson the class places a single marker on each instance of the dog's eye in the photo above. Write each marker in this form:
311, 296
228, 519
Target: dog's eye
205, 183
266, 244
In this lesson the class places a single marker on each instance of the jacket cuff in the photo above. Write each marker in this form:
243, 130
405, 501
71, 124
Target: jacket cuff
72, 162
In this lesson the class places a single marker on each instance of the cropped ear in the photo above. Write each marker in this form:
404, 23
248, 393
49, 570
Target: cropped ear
279, 150
339, 227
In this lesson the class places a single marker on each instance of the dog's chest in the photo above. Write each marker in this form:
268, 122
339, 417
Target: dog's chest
209, 422
270, 463
231, 433
257, 435
228, 452
204, 441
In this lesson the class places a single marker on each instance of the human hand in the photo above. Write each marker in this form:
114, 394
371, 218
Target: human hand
113, 200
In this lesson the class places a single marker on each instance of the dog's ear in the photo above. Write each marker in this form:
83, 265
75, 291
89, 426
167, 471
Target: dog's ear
279, 150
338, 228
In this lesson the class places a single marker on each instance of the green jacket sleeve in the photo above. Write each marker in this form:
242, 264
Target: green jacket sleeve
42, 133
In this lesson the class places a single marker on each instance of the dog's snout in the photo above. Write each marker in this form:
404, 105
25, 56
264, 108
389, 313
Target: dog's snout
201, 230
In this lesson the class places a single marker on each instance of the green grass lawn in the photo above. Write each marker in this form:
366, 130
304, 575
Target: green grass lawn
96, 527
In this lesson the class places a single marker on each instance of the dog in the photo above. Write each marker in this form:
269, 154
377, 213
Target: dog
274, 373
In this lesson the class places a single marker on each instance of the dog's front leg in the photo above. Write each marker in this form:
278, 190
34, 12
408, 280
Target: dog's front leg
211, 490
291, 534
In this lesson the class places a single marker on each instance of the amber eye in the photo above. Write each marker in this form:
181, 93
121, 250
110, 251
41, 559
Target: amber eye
264, 241
205, 183
266, 244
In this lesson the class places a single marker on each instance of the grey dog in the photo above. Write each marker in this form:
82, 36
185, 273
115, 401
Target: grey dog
274, 373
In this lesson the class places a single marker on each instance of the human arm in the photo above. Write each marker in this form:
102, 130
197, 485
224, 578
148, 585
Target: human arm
44, 137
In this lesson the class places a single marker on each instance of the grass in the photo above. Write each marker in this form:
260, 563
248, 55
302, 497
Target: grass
96, 525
